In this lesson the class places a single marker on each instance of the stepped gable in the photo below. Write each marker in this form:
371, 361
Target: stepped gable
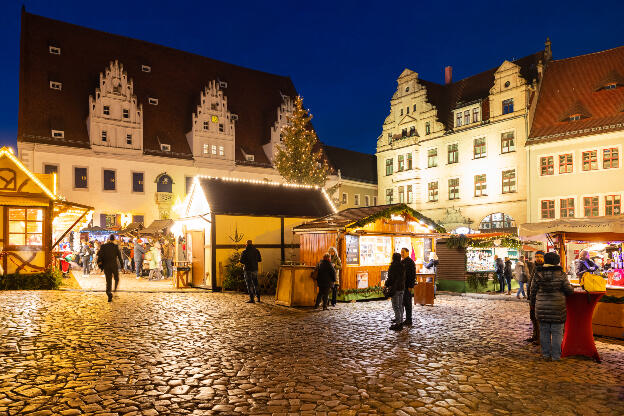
591, 84
176, 79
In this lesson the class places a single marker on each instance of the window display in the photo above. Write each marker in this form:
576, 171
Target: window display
375, 250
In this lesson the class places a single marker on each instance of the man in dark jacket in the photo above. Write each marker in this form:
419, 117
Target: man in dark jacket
325, 278
499, 269
508, 274
549, 292
250, 259
396, 283
536, 269
410, 281
109, 260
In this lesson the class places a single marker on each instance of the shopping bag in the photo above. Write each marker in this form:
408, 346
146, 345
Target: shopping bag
593, 283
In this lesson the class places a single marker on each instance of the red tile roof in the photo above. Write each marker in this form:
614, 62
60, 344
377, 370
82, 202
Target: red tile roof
176, 79
474, 88
575, 86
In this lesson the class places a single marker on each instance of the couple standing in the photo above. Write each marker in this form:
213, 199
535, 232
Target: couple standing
401, 280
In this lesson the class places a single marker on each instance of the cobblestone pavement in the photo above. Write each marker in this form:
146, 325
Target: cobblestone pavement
127, 282
202, 353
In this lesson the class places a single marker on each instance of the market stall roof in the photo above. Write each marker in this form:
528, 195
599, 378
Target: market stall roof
358, 217
262, 198
157, 227
133, 227
68, 216
96, 229
583, 229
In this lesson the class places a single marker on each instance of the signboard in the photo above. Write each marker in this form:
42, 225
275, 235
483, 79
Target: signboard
375, 250
384, 275
352, 249
362, 280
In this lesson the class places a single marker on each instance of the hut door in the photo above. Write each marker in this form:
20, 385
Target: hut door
197, 257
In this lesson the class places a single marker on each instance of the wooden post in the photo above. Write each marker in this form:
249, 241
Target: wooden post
562, 252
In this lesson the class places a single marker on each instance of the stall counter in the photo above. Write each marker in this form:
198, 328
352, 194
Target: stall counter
608, 317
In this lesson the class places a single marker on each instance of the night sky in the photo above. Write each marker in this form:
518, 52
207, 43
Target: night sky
343, 56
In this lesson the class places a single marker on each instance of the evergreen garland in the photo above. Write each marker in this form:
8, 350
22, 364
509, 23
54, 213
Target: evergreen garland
296, 160
396, 209
612, 299
373, 290
508, 240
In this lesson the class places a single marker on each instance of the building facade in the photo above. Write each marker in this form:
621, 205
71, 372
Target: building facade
574, 150
455, 151
126, 124
354, 178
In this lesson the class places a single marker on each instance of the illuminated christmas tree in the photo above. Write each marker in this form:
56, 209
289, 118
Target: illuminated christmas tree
296, 158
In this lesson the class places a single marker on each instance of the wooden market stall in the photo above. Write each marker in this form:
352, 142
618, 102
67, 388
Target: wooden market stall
568, 237
365, 239
33, 218
219, 215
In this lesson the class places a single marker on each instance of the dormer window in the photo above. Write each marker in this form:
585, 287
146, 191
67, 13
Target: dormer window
611, 86
55, 85
152, 101
404, 133
458, 120
58, 134
146, 68
106, 110
235, 117
54, 50
223, 84
250, 158
508, 106
165, 147
575, 117
427, 128
412, 131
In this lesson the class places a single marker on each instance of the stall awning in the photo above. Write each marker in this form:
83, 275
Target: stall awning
132, 228
584, 229
68, 216
157, 227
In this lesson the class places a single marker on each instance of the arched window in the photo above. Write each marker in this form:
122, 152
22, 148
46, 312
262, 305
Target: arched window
164, 183
496, 221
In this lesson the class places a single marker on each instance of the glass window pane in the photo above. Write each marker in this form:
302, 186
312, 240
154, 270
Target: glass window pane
35, 214
17, 239
34, 227
17, 214
35, 240
17, 226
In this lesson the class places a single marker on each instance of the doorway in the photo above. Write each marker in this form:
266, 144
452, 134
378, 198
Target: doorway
197, 258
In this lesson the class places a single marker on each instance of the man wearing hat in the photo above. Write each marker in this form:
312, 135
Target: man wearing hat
549, 292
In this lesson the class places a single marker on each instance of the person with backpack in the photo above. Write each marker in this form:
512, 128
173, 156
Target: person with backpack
522, 276
250, 259
549, 291
396, 283
325, 279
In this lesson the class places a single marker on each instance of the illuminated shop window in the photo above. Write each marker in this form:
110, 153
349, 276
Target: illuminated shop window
26, 227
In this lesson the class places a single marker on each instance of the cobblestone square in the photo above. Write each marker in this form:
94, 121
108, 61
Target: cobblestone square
73, 353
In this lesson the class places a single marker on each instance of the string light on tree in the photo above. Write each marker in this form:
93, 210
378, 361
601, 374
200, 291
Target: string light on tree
296, 158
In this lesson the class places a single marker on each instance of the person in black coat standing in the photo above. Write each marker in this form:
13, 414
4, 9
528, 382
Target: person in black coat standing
410, 280
325, 278
508, 273
396, 283
499, 269
109, 259
250, 259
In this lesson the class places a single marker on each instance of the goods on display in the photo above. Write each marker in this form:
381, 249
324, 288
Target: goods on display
375, 250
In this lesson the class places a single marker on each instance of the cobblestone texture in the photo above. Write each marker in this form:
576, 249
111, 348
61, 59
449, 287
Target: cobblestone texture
72, 353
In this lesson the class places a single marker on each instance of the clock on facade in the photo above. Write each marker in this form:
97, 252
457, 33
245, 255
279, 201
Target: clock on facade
215, 119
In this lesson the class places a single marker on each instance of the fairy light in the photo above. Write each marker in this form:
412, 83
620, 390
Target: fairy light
8, 152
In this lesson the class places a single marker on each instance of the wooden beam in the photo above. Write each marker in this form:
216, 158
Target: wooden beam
69, 229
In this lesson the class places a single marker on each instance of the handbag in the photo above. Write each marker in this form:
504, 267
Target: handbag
593, 283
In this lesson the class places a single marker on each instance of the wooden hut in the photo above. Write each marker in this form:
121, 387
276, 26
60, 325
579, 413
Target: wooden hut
33, 219
366, 238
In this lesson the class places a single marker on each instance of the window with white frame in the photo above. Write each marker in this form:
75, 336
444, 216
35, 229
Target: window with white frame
213, 149
356, 200
54, 50
345, 198
366, 200
55, 85
221, 151
58, 134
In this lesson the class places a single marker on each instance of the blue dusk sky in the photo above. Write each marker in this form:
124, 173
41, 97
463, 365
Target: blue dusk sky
343, 56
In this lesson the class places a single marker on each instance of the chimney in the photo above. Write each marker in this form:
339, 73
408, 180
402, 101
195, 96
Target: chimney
448, 75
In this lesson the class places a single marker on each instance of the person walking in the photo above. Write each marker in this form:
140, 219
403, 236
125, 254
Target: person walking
94, 256
537, 269
521, 274
85, 258
499, 269
410, 280
139, 253
155, 263
250, 259
325, 279
549, 291
168, 257
109, 259
508, 274
335, 261
396, 283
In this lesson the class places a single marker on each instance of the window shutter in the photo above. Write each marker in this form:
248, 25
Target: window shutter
102, 220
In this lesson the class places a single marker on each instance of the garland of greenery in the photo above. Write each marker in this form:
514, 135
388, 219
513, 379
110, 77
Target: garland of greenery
363, 291
396, 209
612, 299
477, 280
507, 240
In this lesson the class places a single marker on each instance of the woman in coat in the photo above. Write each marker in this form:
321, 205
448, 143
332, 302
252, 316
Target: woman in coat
549, 290
335, 261
521, 273
396, 283
155, 262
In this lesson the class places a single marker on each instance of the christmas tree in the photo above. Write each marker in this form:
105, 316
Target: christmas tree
296, 158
